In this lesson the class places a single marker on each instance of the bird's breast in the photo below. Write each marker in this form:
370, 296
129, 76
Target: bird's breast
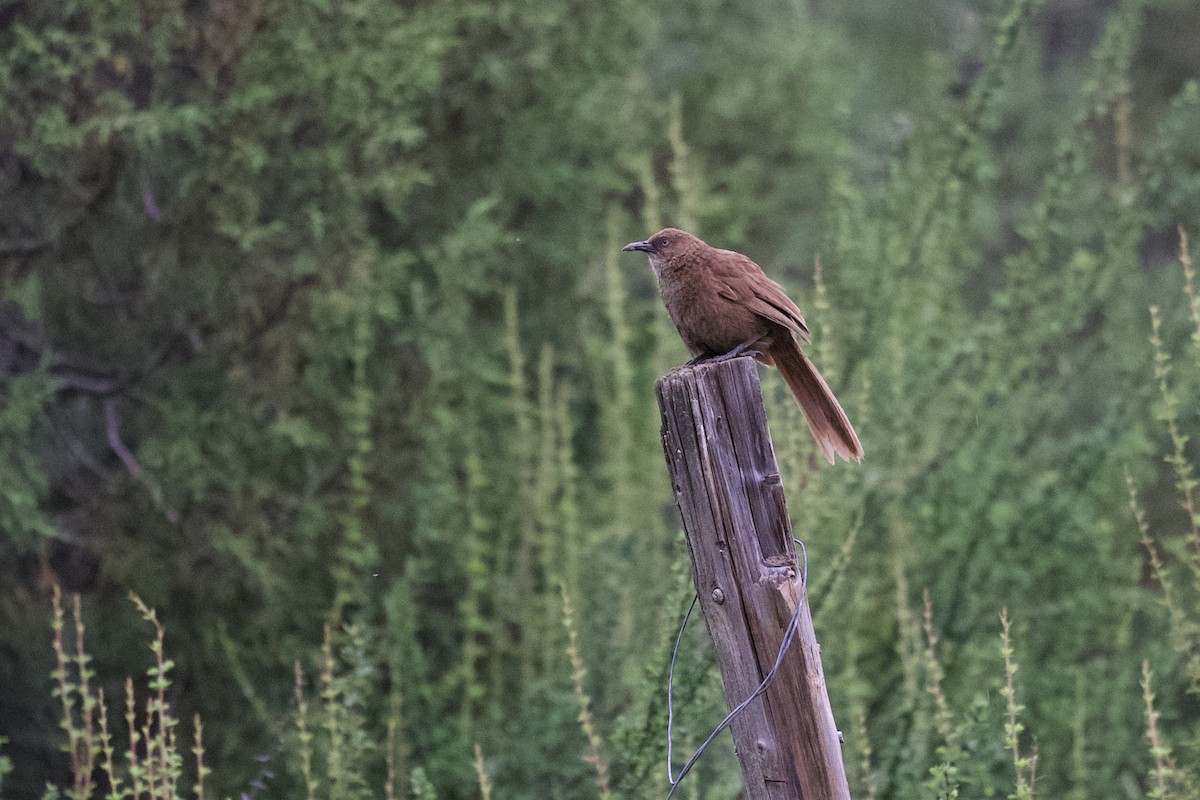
708, 322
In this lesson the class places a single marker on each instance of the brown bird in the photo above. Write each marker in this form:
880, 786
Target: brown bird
724, 305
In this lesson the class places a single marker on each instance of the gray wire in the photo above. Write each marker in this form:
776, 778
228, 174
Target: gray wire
671, 682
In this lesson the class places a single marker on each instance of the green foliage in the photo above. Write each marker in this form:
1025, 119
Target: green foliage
22, 514
6, 765
319, 325
1174, 554
152, 761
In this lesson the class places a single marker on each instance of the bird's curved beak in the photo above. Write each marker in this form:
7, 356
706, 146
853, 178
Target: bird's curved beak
643, 246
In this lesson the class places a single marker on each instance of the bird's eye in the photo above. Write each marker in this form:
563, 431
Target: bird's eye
660, 244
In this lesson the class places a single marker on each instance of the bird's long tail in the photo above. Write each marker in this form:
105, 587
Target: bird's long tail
825, 417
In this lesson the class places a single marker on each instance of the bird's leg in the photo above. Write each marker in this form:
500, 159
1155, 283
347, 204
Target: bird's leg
739, 350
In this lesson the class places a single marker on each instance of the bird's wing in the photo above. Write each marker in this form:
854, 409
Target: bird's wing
744, 282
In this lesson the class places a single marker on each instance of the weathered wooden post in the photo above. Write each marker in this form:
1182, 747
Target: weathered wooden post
730, 496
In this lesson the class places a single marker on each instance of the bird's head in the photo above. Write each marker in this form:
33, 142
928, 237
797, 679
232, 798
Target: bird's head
665, 245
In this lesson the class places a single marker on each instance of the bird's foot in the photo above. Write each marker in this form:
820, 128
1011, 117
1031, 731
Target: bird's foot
745, 348
738, 351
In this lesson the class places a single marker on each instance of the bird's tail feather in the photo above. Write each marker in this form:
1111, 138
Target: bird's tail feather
824, 415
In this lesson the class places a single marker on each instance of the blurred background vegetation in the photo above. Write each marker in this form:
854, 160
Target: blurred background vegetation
314, 320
